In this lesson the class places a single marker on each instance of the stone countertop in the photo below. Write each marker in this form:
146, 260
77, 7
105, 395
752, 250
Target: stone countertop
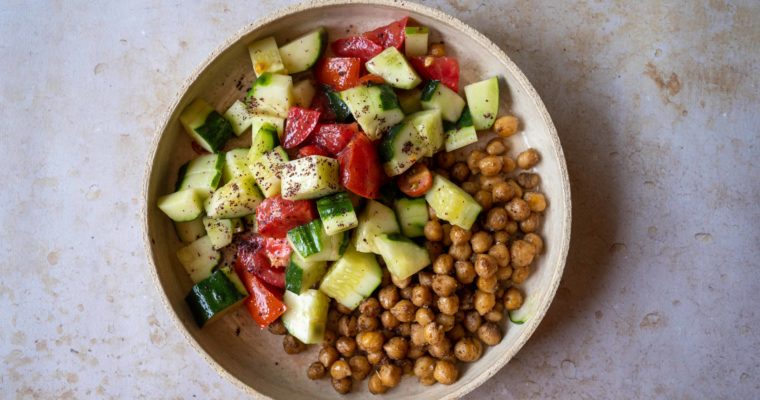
658, 108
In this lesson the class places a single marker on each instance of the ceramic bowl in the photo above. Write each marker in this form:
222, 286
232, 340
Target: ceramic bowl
253, 359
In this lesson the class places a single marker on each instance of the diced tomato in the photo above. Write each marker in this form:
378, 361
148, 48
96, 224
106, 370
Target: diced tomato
275, 216
356, 46
321, 103
312, 150
391, 35
444, 69
299, 125
277, 251
360, 168
416, 181
339, 72
371, 79
263, 305
251, 261
334, 137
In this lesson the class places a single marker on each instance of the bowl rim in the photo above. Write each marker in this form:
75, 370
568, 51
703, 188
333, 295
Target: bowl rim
430, 12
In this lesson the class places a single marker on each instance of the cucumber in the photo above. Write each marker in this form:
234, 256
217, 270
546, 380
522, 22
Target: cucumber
401, 148
312, 243
337, 105
271, 94
302, 53
310, 177
337, 213
237, 198
264, 139
306, 315
462, 134
392, 66
250, 223
409, 100
352, 278
265, 57
375, 108
430, 127
259, 120
437, 96
403, 257
203, 172
412, 216
266, 171
190, 231
416, 41
374, 220
221, 231
235, 279
211, 298
205, 125
524, 313
301, 275
239, 117
184, 205
235, 164
303, 93
199, 258
483, 100
451, 203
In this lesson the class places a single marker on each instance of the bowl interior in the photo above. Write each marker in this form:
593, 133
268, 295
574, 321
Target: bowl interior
235, 345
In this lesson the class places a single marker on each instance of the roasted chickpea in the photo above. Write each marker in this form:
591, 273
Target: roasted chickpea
500, 253
444, 285
424, 316
424, 367
406, 293
489, 334
470, 187
530, 224
489, 182
434, 249
342, 386
330, 338
404, 329
416, 352
445, 372
346, 346
340, 369
516, 188
371, 342
388, 320
496, 219
518, 209
437, 49
460, 252
485, 265
490, 165
456, 333
316, 371
511, 228
448, 305
536, 241
522, 253
483, 197
396, 348
441, 349
489, 284
446, 234
528, 159
328, 355
481, 242
375, 385
459, 235
434, 333
468, 349
496, 147
536, 201
360, 367
390, 375
343, 309
425, 278
421, 295
404, 311
513, 299
292, 345
444, 159
417, 336
277, 327
472, 321
509, 165
465, 300
401, 283
347, 325
444, 264
501, 236
377, 358
504, 273
494, 315
465, 272
519, 275
366, 323
388, 297
460, 172
433, 231
446, 321
473, 160
506, 126
484, 302
370, 307
528, 180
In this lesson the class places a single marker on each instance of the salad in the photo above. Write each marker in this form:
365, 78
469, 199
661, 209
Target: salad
351, 220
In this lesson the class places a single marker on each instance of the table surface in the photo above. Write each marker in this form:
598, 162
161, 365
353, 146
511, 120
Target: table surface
658, 110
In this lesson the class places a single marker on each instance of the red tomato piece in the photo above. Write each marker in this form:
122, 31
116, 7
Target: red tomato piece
334, 137
312, 150
444, 69
299, 125
356, 46
416, 181
277, 251
322, 104
275, 216
252, 262
360, 168
339, 72
263, 305
391, 35
371, 79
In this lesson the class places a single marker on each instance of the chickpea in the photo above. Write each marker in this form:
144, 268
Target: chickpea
437, 50
277, 327
530, 224
421, 295
444, 159
518, 190
509, 165
448, 305
528, 159
518, 209
473, 160
433, 231
328, 355
513, 299
404, 311
489, 334
434, 249
446, 321
465, 272
292, 345
489, 284
346, 346
470, 187
388, 297
490, 165
442, 172
330, 338
445, 372
427, 381
388, 320
360, 367
370, 307
522, 253
511, 228
370, 341
404, 329
481, 242
496, 147
396, 348
468, 349
500, 293
472, 321
494, 315
441, 349
407, 366
460, 252
465, 301
506, 126
459, 235
504, 273
424, 367
484, 302
536, 201
536, 241
424, 316
390, 375
347, 325
340, 369
501, 236
366, 323
406, 293
434, 333
496, 219
444, 264
375, 385
489, 182
416, 352
456, 333
485, 265
446, 235
460, 172
484, 198
316, 371
343, 309
342, 386
444, 285
417, 335
519, 275
500, 253
377, 358
528, 180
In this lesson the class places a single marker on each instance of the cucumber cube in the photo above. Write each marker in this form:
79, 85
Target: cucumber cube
235, 164
266, 171
271, 94
237, 198
483, 101
392, 66
239, 117
416, 42
221, 231
436, 96
403, 257
352, 278
376, 219
452, 203
184, 205
310, 177
337, 213
205, 125
306, 315
265, 57
199, 258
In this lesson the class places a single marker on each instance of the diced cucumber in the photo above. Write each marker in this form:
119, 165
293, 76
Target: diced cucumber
266, 171
190, 231
375, 108
184, 205
437, 96
302, 53
235, 164
211, 298
337, 105
301, 275
312, 243
430, 127
452, 203
337, 213
483, 101
199, 258
412, 216
306, 315
303, 93
205, 125
237, 198
523, 314
239, 117
235, 279
416, 41
310, 177
203, 172
374, 220
271, 94
403, 257
352, 278
259, 120
457, 138
264, 140
409, 100
265, 57
392, 66
401, 148
221, 231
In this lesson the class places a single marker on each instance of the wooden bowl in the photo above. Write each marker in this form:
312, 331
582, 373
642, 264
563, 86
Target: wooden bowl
254, 359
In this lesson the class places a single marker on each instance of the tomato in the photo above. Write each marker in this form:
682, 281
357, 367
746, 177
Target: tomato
321, 103
371, 79
444, 69
416, 181
312, 150
334, 137
340, 73
277, 251
252, 261
356, 46
263, 305
275, 216
391, 35
360, 168
299, 125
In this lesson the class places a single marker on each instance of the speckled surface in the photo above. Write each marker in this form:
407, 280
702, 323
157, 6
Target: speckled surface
657, 108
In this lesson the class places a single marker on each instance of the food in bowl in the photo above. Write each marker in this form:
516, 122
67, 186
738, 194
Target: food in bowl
360, 216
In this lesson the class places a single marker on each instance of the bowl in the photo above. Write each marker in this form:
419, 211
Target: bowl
234, 346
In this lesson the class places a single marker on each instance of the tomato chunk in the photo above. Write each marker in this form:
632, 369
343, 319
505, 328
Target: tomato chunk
251, 261
371, 79
416, 181
321, 103
299, 125
340, 73
277, 251
391, 35
275, 216
356, 46
312, 150
360, 168
444, 69
334, 137
263, 305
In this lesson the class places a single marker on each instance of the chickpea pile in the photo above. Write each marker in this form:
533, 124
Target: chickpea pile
451, 310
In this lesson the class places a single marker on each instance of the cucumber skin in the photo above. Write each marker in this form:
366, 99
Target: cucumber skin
429, 89
211, 296
336, 104
215, 131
